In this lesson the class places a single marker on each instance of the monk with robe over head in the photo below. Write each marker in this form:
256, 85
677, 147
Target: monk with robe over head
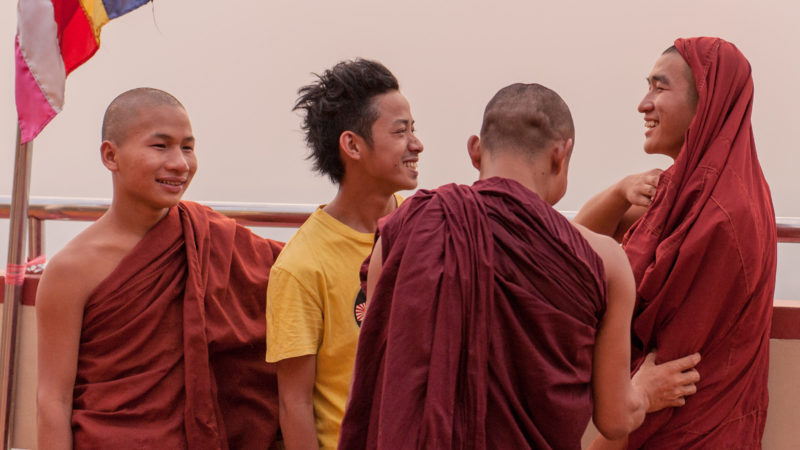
150, 322
493, 322
704, 251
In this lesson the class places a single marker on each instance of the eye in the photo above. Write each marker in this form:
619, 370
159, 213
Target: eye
187, 148
159, 146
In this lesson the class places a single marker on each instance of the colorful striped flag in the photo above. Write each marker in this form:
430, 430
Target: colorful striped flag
53, 38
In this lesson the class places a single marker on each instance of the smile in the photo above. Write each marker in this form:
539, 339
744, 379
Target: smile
171, 183
413, 165
650, 123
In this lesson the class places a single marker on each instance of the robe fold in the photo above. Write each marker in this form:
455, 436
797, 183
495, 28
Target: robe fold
173, 341
481, 329
704, 259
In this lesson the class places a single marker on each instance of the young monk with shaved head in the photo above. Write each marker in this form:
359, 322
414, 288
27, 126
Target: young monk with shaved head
150, 322
702, 248
493, 322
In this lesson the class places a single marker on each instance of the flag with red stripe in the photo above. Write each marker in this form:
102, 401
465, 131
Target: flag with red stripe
53, 38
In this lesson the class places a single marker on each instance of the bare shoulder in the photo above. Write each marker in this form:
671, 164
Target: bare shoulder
609, 250
73, 273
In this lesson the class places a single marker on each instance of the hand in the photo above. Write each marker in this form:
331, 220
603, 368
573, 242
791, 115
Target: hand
666, 385
639, 189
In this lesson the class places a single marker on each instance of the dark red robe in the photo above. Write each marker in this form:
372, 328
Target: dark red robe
481, 329
704, 259
173, 342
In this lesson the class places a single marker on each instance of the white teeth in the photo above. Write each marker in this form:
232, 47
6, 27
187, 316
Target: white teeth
650, 123
411, 164
171, 183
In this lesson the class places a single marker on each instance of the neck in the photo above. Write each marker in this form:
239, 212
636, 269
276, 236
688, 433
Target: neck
359, 207
534, 175
133, 219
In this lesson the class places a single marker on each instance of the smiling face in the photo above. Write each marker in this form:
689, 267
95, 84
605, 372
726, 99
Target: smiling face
669, 105
392, 158
155, 162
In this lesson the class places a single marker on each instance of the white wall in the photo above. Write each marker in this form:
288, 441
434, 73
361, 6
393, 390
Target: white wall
237, 70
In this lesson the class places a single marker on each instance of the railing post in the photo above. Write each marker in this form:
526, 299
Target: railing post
36, 248
15, 276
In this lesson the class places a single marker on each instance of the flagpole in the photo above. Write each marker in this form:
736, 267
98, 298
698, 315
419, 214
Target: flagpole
15, 273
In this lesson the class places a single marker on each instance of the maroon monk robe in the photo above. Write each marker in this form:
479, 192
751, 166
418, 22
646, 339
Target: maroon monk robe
704, 258
173, 342
481, 329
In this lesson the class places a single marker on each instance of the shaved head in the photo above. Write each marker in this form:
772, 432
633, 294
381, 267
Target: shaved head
525, 118
122, 113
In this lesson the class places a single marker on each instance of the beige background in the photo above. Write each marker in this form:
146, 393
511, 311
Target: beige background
237, 66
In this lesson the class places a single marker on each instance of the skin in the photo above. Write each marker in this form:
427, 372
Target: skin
151, 169
620, 403
668, 108
373, 173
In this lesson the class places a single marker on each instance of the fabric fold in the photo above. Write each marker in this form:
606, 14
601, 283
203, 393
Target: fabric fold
172, 345
481, 328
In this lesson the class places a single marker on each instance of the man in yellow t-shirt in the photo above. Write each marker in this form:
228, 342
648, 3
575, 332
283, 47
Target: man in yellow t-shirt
361, 135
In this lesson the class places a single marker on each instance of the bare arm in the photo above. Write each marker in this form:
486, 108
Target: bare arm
60, 300
295, 398
619, 407
614, 210
375, 267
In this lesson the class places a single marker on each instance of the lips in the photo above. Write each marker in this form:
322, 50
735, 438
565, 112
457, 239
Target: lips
174, 185
650, 123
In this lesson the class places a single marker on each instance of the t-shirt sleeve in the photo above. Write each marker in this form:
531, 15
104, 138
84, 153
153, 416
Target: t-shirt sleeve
294, 317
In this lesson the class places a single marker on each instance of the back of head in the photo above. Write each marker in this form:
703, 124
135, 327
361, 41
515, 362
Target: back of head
341, 100
121, 114
525, 118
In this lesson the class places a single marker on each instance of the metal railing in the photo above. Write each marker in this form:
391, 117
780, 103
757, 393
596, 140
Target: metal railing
41, 209
288, 215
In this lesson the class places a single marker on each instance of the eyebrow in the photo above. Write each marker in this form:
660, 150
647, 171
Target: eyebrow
403, 121
168, 137
657, 78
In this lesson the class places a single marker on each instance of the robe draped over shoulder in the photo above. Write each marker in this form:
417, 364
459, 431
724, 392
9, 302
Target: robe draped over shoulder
173, 341
704, 259
481, 329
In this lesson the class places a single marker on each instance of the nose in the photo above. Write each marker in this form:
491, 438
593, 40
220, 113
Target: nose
177, 160
646, 104
415, 145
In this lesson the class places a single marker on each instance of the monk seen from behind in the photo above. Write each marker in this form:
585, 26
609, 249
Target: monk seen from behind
150, 322
703, 246
493, 322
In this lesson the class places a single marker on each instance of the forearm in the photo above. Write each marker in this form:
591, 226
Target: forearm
54, 425
604, 212
297, 425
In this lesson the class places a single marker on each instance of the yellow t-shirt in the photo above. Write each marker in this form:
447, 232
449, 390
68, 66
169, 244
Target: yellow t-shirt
313, 302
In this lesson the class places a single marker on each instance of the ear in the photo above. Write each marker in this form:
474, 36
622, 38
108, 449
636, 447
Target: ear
560, 156
474, 150
350, 144
108, 155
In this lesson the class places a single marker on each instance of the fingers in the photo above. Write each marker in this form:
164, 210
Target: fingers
689, 389
685, 363
690, 376
680, 401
